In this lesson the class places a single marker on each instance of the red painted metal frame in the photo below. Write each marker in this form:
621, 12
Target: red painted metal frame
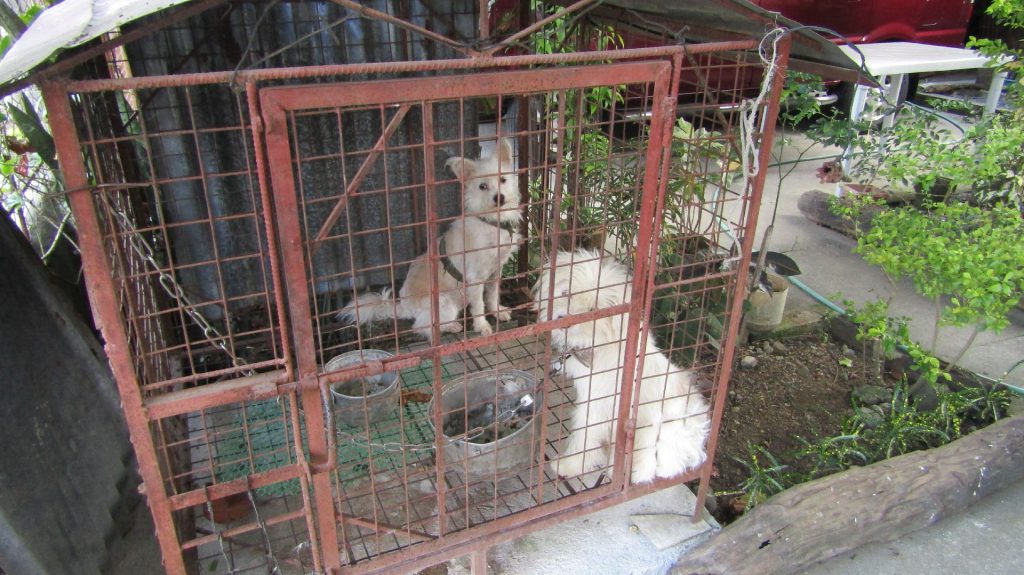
289, 276
103, 296
752, 201
276, 105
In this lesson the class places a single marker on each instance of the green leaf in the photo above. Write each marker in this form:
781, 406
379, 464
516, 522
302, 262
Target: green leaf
31, 125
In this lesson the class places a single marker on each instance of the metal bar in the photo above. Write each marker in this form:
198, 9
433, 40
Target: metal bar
208, 375
245, 388
430, 187
361, 174
201, 495
279, 153
483, 18
661, 140
384, 16
383, 528
479, 561
242, 529
304, 482
653, 189
193, 79
256, 121
477, 85
103, 295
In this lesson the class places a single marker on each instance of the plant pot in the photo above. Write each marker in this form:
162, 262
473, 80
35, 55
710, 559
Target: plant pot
364, 400
500, 432
940, 190
766, 309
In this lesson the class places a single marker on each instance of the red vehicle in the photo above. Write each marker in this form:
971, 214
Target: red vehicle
942, 22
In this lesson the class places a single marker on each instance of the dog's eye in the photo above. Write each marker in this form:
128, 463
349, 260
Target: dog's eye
503, 180
484, 187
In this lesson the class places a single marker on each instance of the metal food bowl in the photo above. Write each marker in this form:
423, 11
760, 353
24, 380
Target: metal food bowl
368, 399
500, 431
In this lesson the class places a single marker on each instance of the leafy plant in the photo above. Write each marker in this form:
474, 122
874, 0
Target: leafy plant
970, 254
829, 455
903, 430
766, 475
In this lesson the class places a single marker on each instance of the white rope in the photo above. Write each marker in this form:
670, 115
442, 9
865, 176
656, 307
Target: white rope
768, 50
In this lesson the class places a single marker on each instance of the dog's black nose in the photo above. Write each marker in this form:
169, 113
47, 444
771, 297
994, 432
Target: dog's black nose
499, 199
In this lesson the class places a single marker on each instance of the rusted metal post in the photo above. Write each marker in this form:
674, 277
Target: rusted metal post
99, 280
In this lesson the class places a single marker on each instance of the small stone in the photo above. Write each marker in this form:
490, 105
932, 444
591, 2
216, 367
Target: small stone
871, 394
779, 347
748, 362
870, 417
847, 352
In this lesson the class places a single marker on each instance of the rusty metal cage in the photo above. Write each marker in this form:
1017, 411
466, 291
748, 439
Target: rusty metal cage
231, 220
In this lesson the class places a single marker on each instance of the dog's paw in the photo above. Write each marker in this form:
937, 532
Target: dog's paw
503, 313
681, 446
482, 327
681, 459
451, 327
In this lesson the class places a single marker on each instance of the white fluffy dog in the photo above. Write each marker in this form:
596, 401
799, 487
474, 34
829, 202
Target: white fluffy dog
473, 250
672, 420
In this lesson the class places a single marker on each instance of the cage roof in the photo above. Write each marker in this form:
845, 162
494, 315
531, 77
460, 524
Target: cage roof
72, 23
69, 24
722, 20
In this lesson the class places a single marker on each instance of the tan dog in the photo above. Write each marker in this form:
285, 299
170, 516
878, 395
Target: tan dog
672, 421
473, 250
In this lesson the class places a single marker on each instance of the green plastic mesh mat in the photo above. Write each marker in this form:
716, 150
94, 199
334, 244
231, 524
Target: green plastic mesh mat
257, 437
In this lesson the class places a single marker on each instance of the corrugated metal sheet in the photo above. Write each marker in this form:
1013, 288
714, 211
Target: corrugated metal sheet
191, 157
73, 22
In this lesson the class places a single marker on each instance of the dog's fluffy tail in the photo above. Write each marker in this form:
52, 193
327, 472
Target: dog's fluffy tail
371, 307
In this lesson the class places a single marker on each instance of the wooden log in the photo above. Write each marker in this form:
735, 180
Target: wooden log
833, 515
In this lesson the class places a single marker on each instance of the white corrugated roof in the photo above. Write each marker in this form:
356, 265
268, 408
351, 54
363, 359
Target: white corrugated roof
69, 24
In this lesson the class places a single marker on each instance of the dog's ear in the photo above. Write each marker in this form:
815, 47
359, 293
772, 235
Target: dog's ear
461, 167
504, 151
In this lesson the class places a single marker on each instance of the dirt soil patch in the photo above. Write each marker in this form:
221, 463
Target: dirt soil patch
799, 388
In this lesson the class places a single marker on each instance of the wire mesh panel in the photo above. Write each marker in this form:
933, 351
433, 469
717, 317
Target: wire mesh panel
407, 241
362, 321
184, 235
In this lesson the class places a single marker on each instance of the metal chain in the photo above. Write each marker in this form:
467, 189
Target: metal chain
220, 539
173, 289
276, 570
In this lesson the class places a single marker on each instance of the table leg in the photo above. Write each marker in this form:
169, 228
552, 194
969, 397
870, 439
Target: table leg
892, 97
995, 88
860, 97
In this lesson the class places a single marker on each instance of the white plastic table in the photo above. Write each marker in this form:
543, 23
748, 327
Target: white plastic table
897, 59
